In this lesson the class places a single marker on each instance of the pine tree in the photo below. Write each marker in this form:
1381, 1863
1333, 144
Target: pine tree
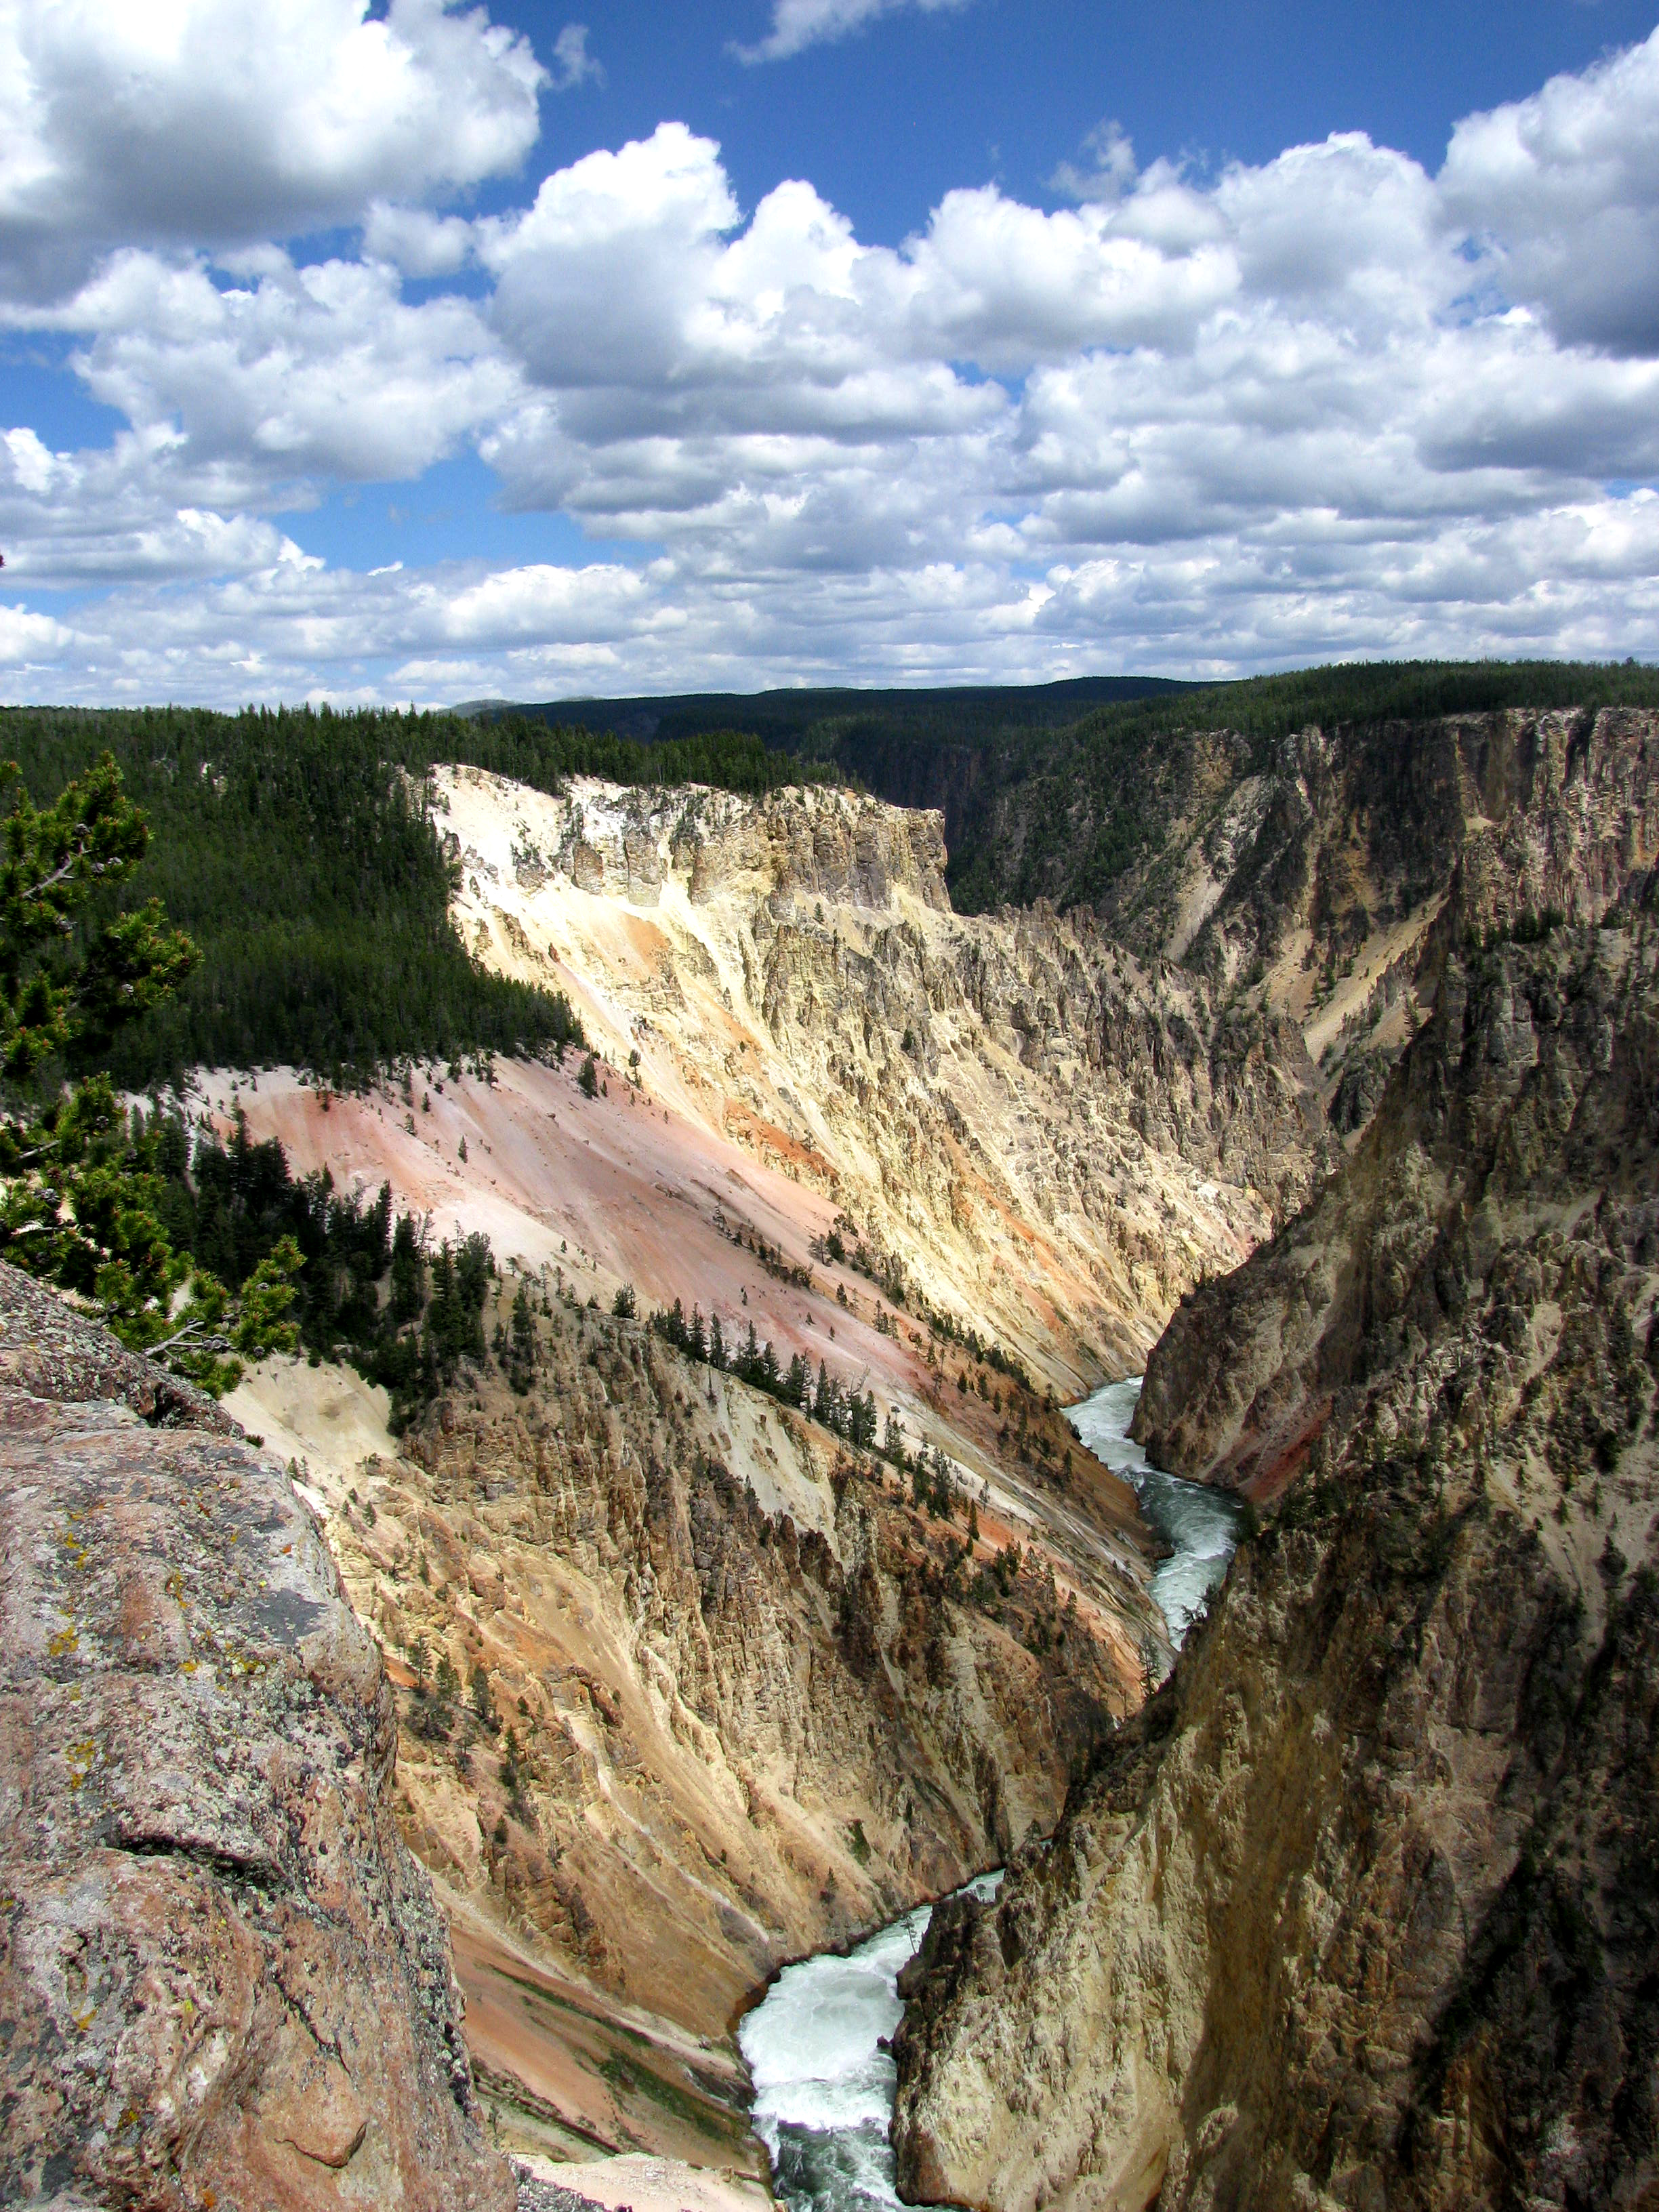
408, 1274
82, 1198
524, 1332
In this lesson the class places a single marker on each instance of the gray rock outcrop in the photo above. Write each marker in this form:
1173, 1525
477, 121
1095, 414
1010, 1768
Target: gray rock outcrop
223, 1979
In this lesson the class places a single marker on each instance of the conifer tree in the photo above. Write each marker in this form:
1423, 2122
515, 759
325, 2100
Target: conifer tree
81, 1197
408, 1273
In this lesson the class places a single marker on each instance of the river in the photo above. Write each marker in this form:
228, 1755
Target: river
1201, 1526
823, 2080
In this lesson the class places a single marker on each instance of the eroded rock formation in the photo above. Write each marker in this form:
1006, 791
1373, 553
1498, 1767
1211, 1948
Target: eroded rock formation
758, 1702
1362, 1909
223, 1977
1057, 1137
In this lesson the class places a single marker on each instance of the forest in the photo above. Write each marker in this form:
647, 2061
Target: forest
227, 1207
297, 852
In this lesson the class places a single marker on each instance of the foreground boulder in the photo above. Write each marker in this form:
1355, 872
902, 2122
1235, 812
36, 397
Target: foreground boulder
222, 1978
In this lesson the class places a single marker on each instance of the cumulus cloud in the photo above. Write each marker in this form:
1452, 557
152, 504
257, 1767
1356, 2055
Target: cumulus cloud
1564, 190
1328, 403
294, 373
113, 518
192, 123
797, 24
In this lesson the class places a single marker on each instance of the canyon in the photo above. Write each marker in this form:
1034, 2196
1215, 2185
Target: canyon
1333, 1115
760, 1700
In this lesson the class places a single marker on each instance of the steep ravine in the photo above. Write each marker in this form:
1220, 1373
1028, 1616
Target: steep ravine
759, 1700
818, 2045
1362, 1909
721, 1694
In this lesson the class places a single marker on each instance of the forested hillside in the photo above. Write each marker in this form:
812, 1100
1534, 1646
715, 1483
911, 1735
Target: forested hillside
295, 849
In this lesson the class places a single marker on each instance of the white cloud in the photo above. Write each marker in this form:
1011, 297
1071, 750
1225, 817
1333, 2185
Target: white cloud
415, 242
116, 518
797, 24
571, 62
1565, 189
595, 282
1578, 579
1327, 404
200, 122
28, 639
301, 373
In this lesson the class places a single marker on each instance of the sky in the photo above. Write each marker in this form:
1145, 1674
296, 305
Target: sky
388, 352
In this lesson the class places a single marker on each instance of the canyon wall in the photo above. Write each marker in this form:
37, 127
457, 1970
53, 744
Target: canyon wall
757, 1701
1361, 1909
1055, 1138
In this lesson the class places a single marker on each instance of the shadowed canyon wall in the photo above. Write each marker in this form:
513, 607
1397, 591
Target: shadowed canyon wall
1361, 1909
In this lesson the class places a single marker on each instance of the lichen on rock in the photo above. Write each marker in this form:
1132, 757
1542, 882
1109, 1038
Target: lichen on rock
223, 1977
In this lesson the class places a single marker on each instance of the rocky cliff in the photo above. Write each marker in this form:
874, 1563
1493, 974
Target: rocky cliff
1056, 1137
222, 1977
1465, 1145
1362, 1909
694, 1690
1312, 875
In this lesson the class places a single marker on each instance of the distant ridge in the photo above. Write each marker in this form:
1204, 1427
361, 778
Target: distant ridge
978, 708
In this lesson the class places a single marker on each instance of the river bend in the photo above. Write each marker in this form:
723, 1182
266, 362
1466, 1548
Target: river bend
816, 2044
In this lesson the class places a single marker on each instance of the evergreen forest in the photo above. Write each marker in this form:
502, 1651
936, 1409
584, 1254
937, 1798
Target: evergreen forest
297, 852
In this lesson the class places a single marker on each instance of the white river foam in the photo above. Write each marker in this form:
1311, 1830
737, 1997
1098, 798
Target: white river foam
823, 2085
1202, 1525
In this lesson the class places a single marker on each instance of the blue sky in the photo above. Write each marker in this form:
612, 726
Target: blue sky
886, 119
428, 352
